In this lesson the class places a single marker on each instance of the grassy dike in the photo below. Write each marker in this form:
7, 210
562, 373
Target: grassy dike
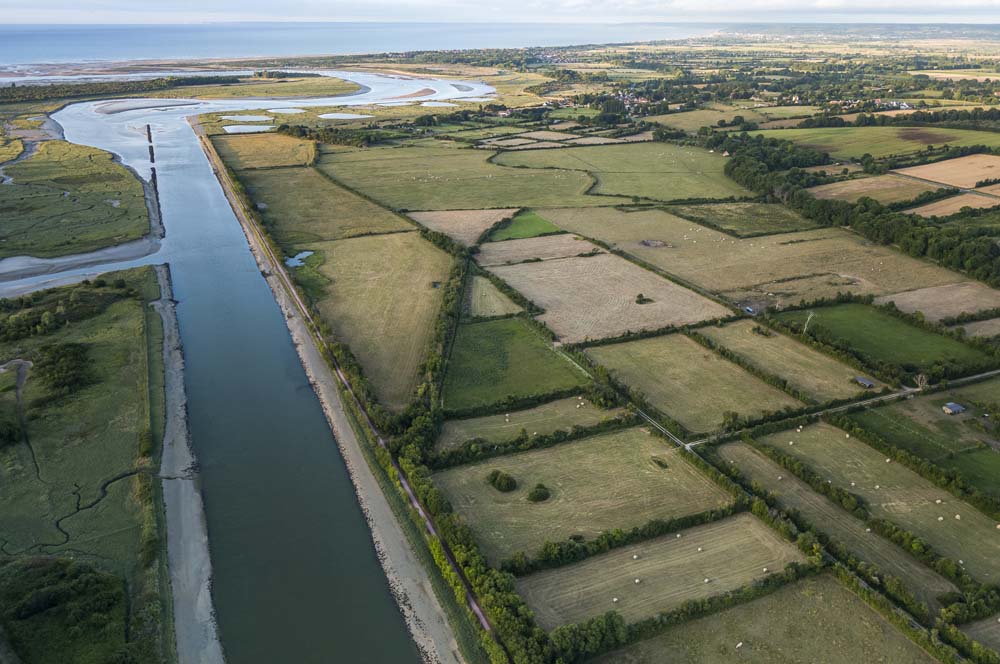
464, 626
82, 564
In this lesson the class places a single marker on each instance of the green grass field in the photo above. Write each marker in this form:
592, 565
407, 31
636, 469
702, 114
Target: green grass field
561, 414
380, 294
816, 374
815, 619
848, 142
299, 205
901, 496
76, 443
484, 299
692, 121
243, 151
659, 171
962, 442
885, 337
493, 360
68, 199
745, 219
676, 375
730, 553
449, 178
829, 518
597, 483
525, 224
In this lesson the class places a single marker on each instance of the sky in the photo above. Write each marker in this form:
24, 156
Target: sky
582, 11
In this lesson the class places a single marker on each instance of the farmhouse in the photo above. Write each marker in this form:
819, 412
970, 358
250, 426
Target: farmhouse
952, 408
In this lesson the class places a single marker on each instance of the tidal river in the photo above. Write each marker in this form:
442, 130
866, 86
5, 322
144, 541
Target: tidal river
296, 578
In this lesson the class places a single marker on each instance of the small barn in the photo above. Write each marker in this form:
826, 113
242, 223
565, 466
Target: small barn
864, 382
952, 408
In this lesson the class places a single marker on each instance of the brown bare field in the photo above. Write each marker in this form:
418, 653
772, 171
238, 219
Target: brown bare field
380, 298
940, 302
953, 204
594, 298
825, 515
464, 226
607, 481
883, 188
730, 553
814, 373
543, 135
892, 491
482, 298
692, 384
993, 189
982, 328
241, 151
962, 172
534, 248
775, 269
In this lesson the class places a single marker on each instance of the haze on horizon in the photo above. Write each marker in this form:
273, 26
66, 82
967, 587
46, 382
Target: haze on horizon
581, 11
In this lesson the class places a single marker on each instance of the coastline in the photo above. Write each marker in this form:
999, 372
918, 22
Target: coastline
408, 579
190, 566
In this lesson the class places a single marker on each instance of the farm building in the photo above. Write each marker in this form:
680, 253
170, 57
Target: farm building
864, 382
952, 408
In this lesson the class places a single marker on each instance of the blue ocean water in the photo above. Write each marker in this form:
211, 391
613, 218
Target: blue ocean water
30, 44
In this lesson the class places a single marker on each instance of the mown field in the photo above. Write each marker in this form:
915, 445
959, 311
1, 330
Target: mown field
986, 631
744, 219
595, 297
380, 294
561, 414
68, 199
448, 178
776, 269
962, 172
892, 491
814, 615
939, 302
526, 224
847, 142
597, 483
79, 477
243, 151
547, 247
299, 205
690, 383
493, 360
954, 204
883, 188
463, 226
484, 299
829, 518
658, 171
730, 553
816, 374
886, 338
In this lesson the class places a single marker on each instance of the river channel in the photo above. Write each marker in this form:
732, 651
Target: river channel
296, 578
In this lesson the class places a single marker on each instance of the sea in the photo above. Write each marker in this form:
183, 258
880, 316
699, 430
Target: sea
36, 44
